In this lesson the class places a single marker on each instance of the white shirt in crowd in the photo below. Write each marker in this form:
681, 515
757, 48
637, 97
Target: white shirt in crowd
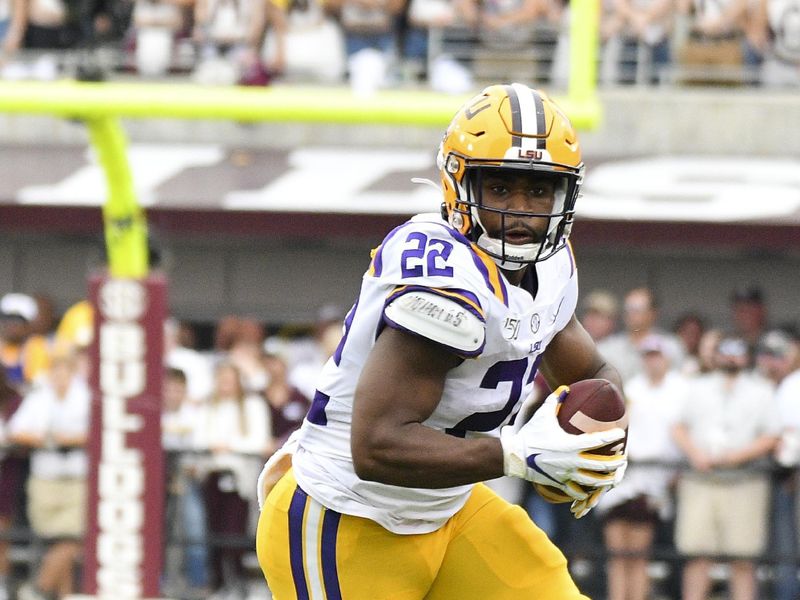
652, 411
787, 398
197, 368
178, 426
624, 354
243, 430
43, 414
721, 420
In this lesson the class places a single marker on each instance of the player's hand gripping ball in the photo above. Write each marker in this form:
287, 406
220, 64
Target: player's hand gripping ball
591, 405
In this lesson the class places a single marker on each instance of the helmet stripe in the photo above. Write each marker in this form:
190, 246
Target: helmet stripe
531, 116
516, 115
541, 142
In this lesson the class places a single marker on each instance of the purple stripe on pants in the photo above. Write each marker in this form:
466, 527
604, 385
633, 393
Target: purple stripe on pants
330, 528
296, 510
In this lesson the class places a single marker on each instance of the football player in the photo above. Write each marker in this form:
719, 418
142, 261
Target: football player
424, 396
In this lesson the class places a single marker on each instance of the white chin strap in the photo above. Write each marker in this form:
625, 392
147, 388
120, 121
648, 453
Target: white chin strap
515, 257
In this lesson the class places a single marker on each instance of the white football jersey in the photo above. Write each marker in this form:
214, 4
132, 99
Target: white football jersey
429, 280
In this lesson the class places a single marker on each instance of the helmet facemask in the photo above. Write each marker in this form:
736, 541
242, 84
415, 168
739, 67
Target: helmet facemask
516, 256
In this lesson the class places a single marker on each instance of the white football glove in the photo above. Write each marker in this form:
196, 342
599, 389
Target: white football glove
580, 508
540, 451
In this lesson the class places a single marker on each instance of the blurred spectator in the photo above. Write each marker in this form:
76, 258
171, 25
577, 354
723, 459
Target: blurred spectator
187, 336
74, 334
511, 16
187, 554
277, 22
179, 412
287, 406
76, 328
707, 349
749, 314
782, 349
728, 33
320, 347
196, 367
727, 429
508, 31
261, 68
781, 64
638, 30
45, 321
246, 354
420, 16
633, 509
225, 334
47, 26
778, 358
234, 427
599, 314
312, 45
640, 316
230, 34
370, 39
157, 24
11, 478
95, 22
24, 355
53, 421
689, 329
13, 21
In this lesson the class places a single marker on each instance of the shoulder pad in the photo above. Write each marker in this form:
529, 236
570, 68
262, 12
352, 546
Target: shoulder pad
447, 318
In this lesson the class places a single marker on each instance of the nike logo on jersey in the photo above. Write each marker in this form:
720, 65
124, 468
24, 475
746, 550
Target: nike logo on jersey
558, 310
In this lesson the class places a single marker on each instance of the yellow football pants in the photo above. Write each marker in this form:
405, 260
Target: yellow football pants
489, 550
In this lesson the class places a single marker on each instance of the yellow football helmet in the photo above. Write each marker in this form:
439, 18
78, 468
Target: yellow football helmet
510, 127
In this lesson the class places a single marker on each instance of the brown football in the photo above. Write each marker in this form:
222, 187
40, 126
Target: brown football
591, 405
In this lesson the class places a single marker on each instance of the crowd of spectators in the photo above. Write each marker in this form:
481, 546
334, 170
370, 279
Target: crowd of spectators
447, 44
714, 446
711, 493
225, 410
713, 449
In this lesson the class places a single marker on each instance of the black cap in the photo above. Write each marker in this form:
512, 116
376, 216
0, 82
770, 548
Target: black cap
750, 293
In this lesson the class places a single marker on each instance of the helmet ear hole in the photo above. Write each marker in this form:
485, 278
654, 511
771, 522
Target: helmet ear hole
452, 164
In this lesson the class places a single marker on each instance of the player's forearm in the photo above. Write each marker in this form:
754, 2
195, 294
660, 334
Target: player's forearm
418, 456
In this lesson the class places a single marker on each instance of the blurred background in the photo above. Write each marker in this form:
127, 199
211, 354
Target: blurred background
687, 243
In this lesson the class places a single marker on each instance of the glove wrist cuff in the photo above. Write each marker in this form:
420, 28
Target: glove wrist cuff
513, 456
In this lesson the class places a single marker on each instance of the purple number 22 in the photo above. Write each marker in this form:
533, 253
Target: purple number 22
426, 257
